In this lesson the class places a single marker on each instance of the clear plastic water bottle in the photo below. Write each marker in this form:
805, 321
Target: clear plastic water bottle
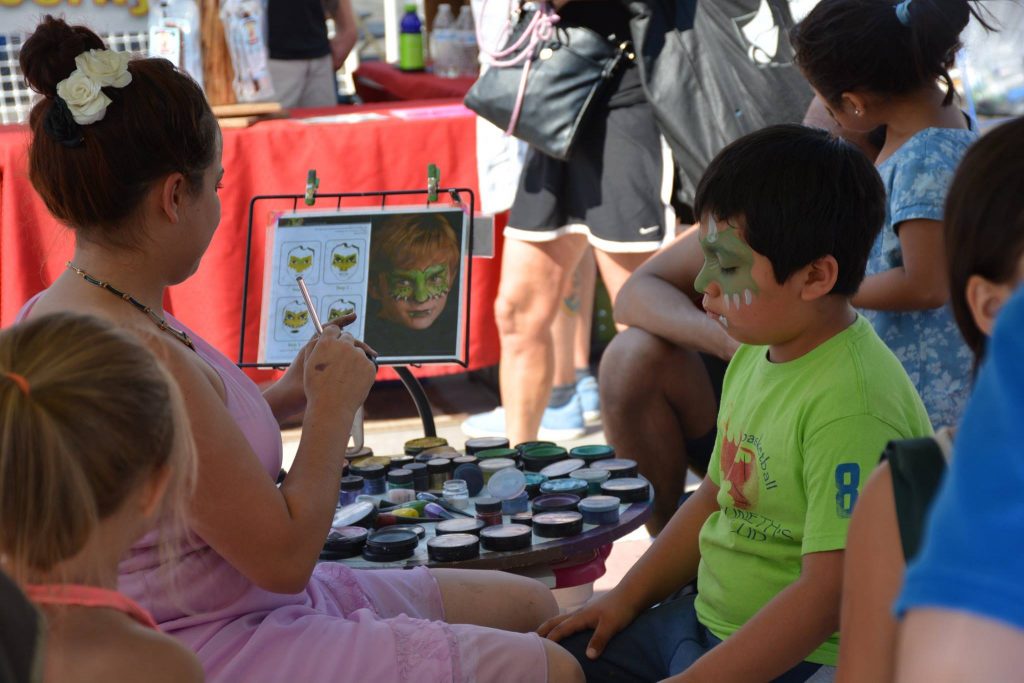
410, 41
465, 38
443, 46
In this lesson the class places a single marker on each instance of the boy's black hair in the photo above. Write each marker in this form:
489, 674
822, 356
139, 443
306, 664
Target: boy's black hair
803, 194
984, 221
850, 45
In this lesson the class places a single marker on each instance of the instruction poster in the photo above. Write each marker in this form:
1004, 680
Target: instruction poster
401, 271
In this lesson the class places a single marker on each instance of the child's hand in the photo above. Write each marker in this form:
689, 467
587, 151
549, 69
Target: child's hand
606, 615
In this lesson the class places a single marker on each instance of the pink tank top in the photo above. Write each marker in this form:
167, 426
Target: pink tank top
88, 596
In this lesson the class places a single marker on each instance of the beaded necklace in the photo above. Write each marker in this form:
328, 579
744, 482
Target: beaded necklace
158, 320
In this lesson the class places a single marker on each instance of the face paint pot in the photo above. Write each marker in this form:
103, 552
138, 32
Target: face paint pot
562, 468
472, 475
351, 486
390, 544
600, 510
533, 482
415, 446
364, 452
441, 452
483, 443
424, 458
398, 462
594, 479
361, 513
554, 502
592, 453
440, 471
373, 479
491, 453
466, 460
628, 489
506, 537
459, 525
456, 493
400, 488
520, 503
453, 548
359, 463
527, 445
617, 467
577, 487
420, 532
506, 484
488, 511
557, 524
420, 477
344, 542
489, 467
536, 459
521, 518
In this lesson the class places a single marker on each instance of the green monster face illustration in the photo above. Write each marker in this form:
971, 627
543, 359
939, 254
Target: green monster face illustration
415, 297
300, 259
728, 262
296, 315
340, 308
344, 257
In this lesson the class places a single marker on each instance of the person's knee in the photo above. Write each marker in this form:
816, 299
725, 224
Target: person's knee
523, 314
536, 602
632, 365
562, 666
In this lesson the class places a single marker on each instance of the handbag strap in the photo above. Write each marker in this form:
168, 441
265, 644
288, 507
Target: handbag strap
540, 29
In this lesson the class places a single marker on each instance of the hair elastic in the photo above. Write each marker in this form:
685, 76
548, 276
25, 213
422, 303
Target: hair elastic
903, 12
19, 380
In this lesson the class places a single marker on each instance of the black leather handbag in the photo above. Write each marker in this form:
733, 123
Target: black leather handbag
546, 80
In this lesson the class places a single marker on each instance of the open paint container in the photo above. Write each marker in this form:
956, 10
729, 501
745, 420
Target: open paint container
506, 537
628, 490
344, 542
391, 544
617, 467
557, 524
484, 443
592, 453
453, 547
554, 502
460, 525
577, 487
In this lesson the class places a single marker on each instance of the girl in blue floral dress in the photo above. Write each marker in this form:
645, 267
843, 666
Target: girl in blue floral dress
876, 64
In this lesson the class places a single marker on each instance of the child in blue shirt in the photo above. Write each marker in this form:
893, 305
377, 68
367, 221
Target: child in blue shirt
875, 64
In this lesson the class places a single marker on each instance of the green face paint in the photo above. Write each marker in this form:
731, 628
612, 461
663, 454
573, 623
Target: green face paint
419, 285
729, 261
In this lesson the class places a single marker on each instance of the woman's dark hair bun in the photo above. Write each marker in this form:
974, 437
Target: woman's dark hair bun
48, 56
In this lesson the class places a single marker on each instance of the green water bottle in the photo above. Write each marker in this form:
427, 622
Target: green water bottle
410, 41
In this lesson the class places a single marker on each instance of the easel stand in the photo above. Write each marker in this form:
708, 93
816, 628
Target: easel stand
313, 198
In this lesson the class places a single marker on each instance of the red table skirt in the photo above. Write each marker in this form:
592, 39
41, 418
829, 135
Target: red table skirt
389, 151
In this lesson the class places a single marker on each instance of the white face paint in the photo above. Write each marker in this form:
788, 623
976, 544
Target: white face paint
735, 300
726, 298
748, 296
721, 319
712, 228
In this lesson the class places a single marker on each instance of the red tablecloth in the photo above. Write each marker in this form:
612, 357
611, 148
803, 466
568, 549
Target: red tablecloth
380, 82
388, 151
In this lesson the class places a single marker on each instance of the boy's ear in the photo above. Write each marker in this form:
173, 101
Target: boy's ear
985, 298
819, 277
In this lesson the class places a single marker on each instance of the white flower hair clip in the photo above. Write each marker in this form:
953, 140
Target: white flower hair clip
82, 91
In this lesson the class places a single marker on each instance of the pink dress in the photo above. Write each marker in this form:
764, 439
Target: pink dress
377, 626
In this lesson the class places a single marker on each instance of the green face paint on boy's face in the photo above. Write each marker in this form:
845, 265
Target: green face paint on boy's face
416, 297
419, 285
728, 262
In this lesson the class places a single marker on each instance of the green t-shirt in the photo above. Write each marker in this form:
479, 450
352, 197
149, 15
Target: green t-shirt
797, 441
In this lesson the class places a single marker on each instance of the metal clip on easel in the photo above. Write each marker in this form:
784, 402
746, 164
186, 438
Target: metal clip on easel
312, 185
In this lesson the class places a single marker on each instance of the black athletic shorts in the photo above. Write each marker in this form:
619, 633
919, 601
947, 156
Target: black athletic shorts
615, 187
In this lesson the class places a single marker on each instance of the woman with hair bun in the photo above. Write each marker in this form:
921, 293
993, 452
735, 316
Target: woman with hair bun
127, 153
876, 63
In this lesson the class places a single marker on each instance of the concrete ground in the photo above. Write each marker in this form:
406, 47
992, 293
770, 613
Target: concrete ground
392, 420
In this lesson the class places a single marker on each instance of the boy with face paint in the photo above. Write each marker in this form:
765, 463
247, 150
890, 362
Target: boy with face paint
414, 265
810, 399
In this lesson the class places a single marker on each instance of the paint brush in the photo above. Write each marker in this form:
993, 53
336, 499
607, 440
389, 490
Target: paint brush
309, 304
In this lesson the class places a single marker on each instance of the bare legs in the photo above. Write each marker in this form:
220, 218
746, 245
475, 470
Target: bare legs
534, 277
655, 395
508, 602
571, 329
